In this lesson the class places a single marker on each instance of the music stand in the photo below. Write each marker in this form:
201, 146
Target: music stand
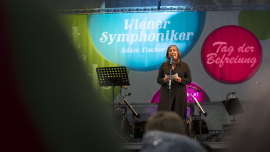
200, 112
112, 76
233, 107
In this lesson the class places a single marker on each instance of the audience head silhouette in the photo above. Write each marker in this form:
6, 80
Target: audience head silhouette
166, 121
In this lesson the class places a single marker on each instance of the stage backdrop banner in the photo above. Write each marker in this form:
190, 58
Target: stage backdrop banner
140, 40
224, 50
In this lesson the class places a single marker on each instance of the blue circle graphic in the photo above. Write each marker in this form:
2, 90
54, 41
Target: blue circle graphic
139, 41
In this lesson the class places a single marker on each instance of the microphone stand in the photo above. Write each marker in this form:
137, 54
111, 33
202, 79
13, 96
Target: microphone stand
200, 112
120, 109
191, 113
230, 94
170, 87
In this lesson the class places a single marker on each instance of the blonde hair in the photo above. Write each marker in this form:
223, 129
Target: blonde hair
166, 121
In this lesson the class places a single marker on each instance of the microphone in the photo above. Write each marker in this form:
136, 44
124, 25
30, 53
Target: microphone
194, 88
127, 95
171, 59
125, 87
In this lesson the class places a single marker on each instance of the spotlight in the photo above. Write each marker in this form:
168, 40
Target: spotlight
159, 4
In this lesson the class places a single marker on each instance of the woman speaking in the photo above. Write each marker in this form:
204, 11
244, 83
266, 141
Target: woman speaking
178, 101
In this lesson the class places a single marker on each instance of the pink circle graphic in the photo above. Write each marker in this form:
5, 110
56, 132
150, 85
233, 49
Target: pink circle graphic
200, 95
231, 54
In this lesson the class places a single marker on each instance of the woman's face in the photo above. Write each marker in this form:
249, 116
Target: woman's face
173, 52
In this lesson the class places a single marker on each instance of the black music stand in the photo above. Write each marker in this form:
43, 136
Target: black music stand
233, 107
112, 76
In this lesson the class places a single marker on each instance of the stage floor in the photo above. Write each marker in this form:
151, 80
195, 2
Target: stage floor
214, 145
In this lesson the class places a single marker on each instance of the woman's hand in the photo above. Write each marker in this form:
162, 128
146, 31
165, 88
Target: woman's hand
166, 80
178, 80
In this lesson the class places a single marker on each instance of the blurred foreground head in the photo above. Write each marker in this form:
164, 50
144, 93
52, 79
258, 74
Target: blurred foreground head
48, 103
166, 121
165, 132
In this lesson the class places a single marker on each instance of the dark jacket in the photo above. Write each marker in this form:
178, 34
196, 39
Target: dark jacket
179, 94
160, 141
